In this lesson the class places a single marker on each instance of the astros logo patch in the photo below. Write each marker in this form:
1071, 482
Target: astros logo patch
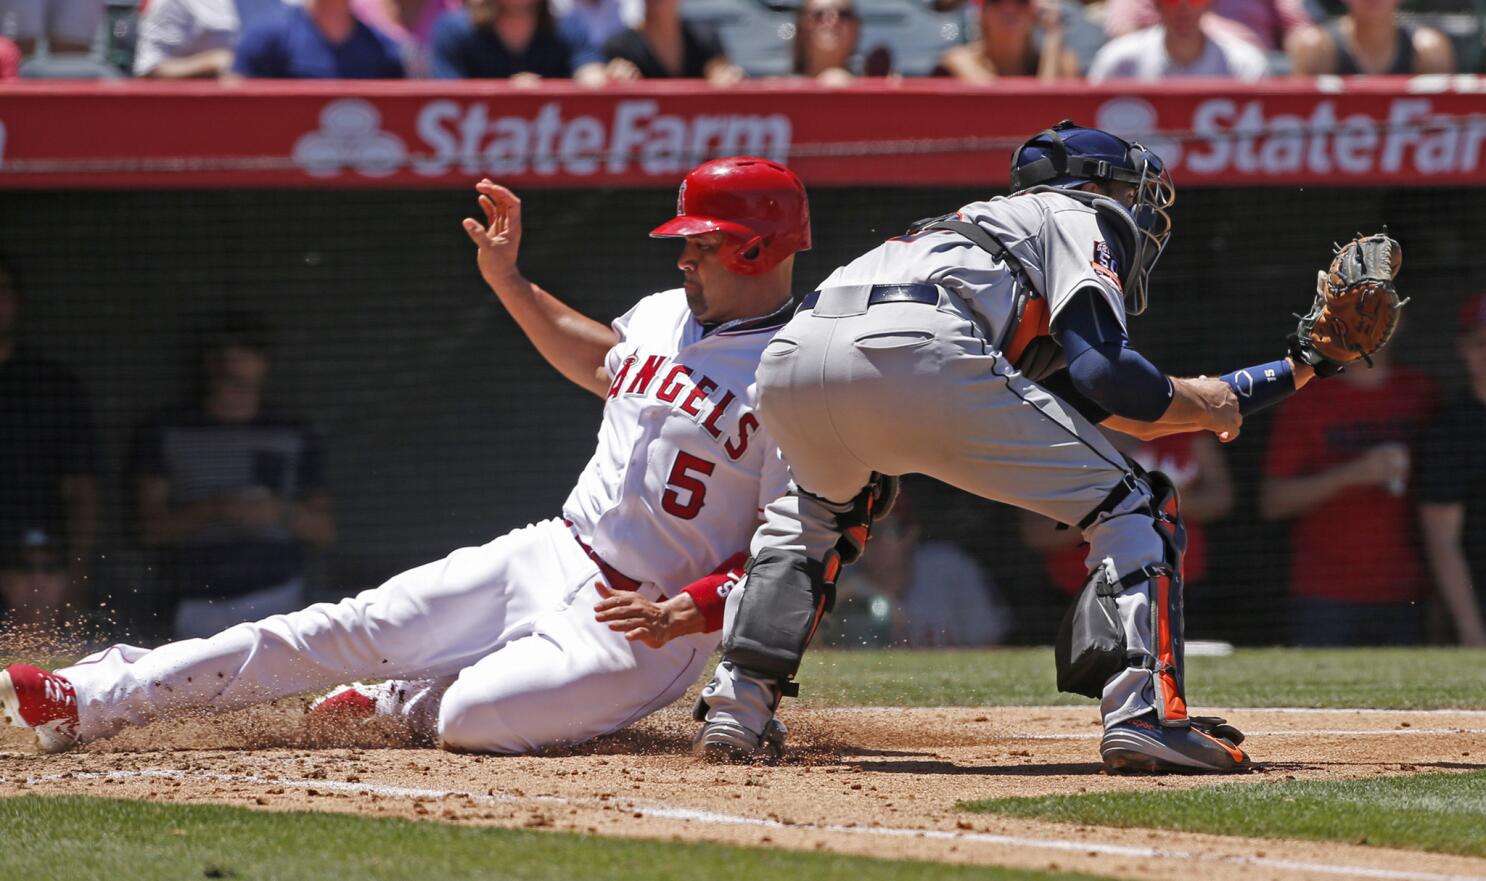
1104, 263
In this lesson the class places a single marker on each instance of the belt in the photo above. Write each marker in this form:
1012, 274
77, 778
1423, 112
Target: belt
926, 294
617, 580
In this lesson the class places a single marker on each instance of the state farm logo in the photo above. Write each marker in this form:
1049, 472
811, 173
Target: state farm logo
464, 137
1228, 136
350, 136
1135, 119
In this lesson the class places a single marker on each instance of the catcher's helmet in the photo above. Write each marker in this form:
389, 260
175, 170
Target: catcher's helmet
760, 205
1069, 155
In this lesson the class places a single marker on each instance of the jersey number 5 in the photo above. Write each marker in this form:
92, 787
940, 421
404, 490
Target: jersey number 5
686, 475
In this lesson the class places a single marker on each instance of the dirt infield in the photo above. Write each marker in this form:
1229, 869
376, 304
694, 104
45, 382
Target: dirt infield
879, 782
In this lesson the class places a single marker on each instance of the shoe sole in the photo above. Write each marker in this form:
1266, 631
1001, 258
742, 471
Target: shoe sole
10, 711
725, 747
1129, 751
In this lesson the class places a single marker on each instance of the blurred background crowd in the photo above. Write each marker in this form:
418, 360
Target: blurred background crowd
595, 42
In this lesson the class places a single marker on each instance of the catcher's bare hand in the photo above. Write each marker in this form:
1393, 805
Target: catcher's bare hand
641, 620
499, 238
1222, 415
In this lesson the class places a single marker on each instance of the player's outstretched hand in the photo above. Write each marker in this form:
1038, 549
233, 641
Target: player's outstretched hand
499, 237
1223, 416
641, 620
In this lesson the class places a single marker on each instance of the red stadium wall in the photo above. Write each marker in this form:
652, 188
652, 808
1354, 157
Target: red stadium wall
1421, 131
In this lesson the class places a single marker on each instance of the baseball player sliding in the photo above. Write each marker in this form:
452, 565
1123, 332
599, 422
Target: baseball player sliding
562, 630
982, 348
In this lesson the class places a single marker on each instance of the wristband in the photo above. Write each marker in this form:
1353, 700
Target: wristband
710, 593
1262, 385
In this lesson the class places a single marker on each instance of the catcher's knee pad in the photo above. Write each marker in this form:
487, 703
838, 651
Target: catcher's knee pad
1093, 645
786, 596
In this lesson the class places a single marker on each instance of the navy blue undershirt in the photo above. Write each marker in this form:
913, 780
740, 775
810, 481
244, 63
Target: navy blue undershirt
1101, 365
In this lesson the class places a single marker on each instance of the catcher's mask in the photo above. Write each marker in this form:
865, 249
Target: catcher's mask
759, 205
1069, 155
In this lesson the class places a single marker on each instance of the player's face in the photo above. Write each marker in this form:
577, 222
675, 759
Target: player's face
706, 280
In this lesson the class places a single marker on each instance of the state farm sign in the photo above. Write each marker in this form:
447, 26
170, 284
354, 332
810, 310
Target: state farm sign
1228, 137
467, 138
914, 133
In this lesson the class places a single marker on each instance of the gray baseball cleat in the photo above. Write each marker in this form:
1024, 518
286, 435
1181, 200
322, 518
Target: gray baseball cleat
1142, 744
727, 741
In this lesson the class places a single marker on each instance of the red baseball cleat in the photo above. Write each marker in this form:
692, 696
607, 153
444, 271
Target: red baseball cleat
30, 697
349, 703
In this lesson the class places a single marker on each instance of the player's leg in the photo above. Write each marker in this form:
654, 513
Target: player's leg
774, 611
568, 680
429, 621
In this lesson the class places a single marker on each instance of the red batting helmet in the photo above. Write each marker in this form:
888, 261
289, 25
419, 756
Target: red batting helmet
760, 205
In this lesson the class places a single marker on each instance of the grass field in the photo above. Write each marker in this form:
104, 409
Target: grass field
1445, 813
1413, 679
74, 836
94, 839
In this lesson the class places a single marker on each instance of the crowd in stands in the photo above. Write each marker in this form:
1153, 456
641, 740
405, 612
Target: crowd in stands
594, 42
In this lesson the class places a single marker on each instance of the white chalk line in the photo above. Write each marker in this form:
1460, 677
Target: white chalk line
715, 818
1043, 708
1313, 732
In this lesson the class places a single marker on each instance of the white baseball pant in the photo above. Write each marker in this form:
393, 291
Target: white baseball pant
509, 623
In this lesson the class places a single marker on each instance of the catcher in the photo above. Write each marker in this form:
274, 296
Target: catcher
996, 337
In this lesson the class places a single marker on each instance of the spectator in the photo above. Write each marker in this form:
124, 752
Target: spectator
69, 26
322, 39
33, 580
1452, 486
409, 23
910, 593
231, 491
501, 39
48, 452
1183, 44
1369, 39
826, 34
1017, 38
194, 39
592, 23
1338, 464
1195, 463
665, 46
1265, 24
10, 60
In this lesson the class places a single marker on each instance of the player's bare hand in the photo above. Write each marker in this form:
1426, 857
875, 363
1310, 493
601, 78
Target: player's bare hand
622, 70
499, 237
641, 620
1220, 406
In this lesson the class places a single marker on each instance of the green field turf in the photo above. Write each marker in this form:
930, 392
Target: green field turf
1435, 812
1431, 678
93, 839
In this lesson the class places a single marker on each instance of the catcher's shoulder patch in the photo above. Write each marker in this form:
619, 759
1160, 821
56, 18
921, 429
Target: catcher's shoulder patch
1105, 264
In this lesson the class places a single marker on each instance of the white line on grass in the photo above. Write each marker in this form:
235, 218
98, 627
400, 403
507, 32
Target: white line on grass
714, 818
1314, 732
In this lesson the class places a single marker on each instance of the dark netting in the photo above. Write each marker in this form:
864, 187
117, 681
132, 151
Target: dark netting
442, 427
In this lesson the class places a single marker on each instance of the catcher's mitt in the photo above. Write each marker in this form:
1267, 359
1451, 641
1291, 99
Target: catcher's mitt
1356, 306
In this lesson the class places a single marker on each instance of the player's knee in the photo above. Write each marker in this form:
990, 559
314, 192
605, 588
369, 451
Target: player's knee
470, 721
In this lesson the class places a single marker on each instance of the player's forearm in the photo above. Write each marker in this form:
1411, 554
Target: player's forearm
1149, 430
570, 341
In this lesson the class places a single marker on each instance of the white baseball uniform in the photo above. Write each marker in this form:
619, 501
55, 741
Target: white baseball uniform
498, 643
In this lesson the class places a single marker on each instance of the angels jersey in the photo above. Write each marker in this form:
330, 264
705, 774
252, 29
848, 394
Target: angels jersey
683, 467
1060, 241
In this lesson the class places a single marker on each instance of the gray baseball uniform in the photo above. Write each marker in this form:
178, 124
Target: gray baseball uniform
848, 389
